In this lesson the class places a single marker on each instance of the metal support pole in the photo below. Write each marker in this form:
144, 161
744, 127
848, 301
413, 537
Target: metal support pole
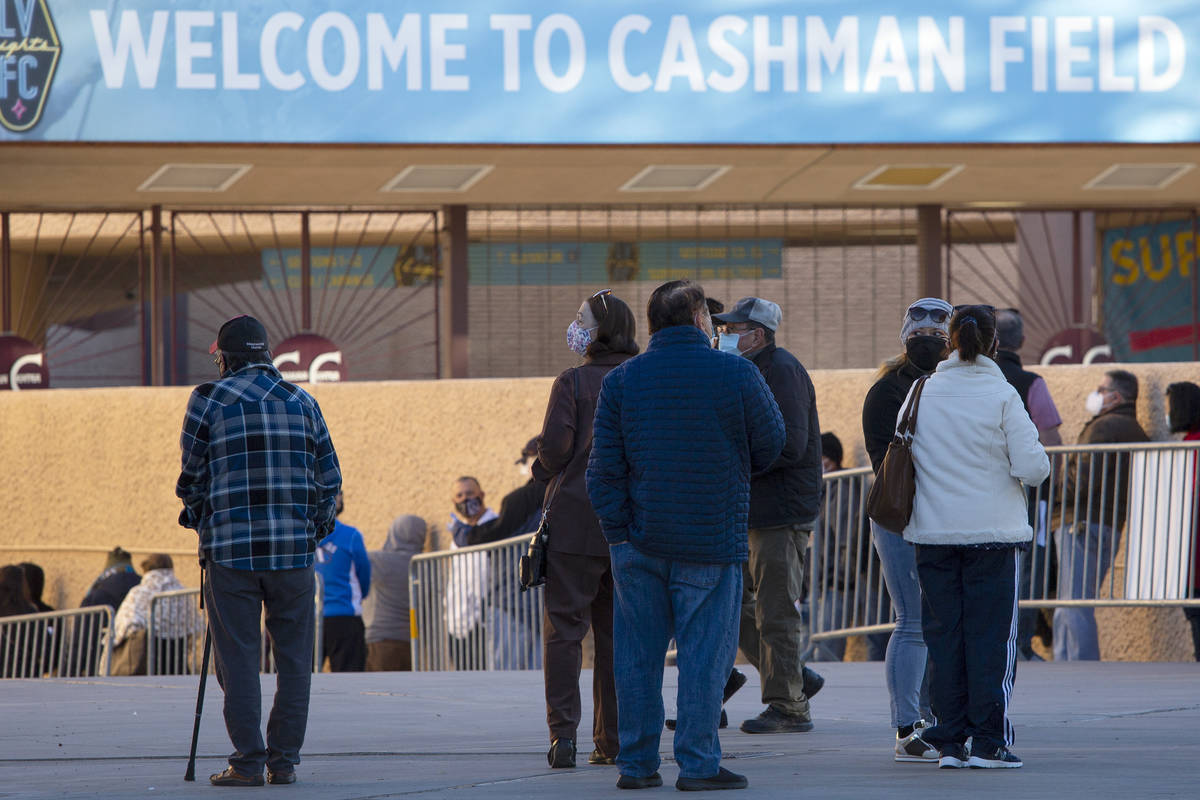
1076, 269
305, 275
5, 276
156, 308
437, 296
1195, 293
929, 251
455, 295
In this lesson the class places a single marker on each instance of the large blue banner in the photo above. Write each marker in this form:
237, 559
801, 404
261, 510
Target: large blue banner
542, 71
1150, 291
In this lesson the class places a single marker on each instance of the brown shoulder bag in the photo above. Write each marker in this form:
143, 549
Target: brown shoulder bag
890, 503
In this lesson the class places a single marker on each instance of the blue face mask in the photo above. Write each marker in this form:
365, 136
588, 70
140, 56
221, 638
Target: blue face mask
728, 343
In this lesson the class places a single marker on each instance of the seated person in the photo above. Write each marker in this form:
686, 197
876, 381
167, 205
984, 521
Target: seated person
174, 624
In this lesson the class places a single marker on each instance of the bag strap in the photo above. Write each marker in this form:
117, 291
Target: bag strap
908, 423
557, 486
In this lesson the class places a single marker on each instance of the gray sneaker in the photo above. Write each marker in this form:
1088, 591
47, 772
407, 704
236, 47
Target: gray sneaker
915, 749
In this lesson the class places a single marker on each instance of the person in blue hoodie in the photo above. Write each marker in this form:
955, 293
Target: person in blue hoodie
345, 571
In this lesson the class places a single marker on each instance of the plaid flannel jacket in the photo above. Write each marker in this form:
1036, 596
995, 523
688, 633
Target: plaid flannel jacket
260, 477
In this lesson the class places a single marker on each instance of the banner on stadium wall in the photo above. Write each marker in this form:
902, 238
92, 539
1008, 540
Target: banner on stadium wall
1148, 291
543, 71
595, 263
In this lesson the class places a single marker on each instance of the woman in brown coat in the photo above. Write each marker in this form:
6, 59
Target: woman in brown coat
579, 588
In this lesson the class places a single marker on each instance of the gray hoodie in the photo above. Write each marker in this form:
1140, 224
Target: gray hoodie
385, 611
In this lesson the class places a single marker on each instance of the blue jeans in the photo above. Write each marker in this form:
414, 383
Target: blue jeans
511, 640
1084, 555
904, 663
698, 604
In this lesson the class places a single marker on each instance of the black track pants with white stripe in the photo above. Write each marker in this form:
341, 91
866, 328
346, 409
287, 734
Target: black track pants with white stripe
969, 619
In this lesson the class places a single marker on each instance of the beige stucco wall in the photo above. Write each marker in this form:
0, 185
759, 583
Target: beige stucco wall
85, 470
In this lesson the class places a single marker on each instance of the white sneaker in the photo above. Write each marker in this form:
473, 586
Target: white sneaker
914, 748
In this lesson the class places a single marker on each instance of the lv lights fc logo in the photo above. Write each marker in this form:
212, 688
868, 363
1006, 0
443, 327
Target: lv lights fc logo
29, 50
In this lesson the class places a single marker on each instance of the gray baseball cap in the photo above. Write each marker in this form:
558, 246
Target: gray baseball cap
752, 309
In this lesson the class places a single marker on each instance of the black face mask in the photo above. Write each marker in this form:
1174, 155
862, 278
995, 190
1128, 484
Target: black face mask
470, 507
925, 352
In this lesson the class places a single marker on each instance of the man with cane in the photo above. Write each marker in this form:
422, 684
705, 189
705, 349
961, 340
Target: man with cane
259, 485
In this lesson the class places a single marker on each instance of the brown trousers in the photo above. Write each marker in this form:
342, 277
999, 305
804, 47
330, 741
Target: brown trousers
389, 655
579, 594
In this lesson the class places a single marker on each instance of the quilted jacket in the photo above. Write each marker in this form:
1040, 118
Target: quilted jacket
678, 430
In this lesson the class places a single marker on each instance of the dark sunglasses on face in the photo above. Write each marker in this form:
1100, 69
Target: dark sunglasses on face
936, 315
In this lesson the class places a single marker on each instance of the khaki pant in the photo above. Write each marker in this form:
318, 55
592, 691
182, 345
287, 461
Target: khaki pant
389, 655
771, 630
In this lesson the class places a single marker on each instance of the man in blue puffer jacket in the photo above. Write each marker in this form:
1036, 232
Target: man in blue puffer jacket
678, 431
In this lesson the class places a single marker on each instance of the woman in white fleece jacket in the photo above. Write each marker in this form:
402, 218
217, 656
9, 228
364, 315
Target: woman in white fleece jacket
974, 447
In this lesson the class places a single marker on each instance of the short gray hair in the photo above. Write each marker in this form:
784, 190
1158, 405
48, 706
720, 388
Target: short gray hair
1010, 329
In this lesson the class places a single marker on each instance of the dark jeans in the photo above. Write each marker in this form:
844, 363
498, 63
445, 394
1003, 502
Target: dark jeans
235, 600
579, 594
969, 618
698, 605
771, 632
343, 643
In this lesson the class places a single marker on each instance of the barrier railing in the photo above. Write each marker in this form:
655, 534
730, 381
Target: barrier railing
1115, 525
66, 644
468, 610
175, 634
846, 591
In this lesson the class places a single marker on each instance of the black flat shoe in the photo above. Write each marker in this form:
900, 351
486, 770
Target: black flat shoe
562, 754
724, 779
631, 782
281, 777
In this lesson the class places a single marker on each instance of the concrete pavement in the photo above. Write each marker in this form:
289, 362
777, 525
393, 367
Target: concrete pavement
1085, 730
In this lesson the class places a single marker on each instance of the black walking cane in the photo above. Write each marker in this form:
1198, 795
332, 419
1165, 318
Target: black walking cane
190, 775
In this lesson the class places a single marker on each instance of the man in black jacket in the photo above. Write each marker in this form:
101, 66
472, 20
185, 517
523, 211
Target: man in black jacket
510, 612
784, 504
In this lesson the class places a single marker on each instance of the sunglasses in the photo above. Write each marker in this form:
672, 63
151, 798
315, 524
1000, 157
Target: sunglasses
602, 294
935, 315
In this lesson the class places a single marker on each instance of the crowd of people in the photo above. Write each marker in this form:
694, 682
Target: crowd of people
682, 492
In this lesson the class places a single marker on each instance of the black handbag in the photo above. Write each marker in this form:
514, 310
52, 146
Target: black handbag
533, 563
890, 503
532, 570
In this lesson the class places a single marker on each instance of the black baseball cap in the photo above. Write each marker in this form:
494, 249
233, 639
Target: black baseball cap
242, 334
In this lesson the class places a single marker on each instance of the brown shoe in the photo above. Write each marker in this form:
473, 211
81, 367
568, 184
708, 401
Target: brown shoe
281, 777
231, 777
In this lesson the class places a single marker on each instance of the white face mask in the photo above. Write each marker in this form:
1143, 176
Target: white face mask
525, 469
1095, 403
728, 343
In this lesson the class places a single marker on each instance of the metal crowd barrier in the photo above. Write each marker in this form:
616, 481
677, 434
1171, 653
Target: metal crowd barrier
175, 634
1115, 525
64, 644
469, 613
846, 591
